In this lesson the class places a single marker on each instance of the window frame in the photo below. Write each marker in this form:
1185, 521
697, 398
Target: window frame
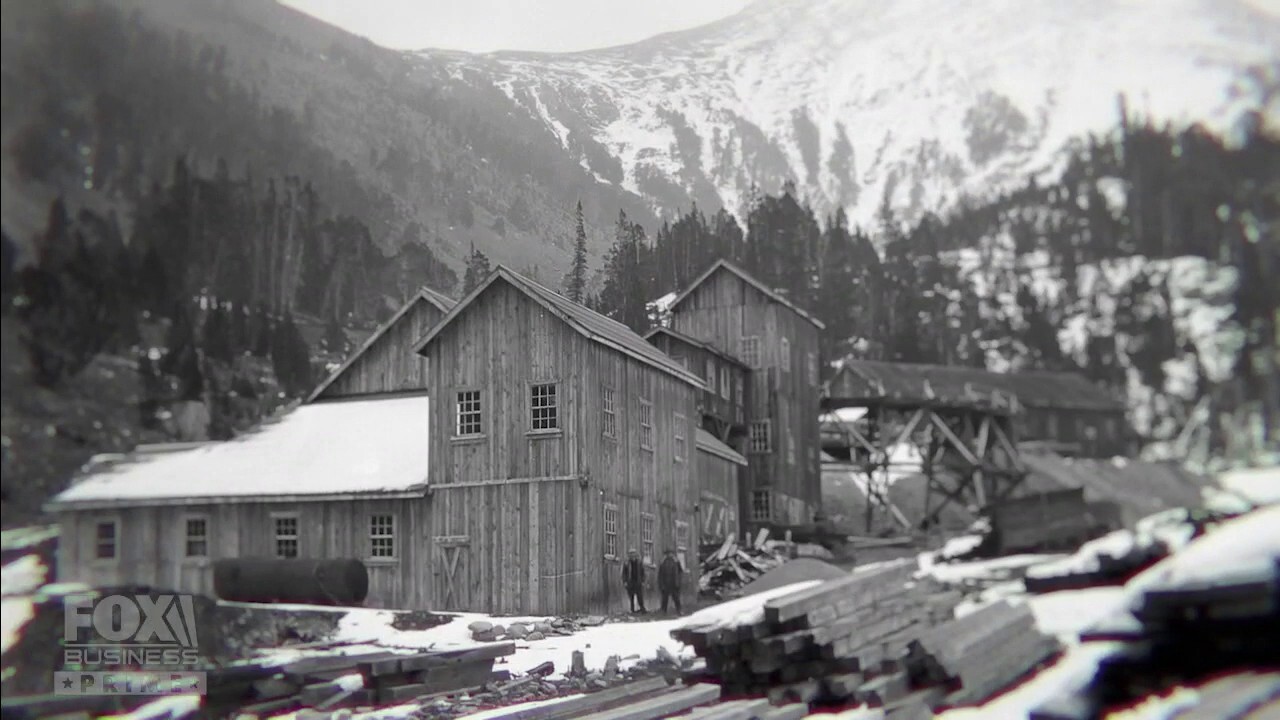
762, 505
188, 538
784, 355
555, 407
114, 540
749, 351
459, 412
277, 537
753, 447
681, 438
710, 375
609, 517
387, 537
725, 380
791, 447
647, 544
682, 542
608, 412
645, 411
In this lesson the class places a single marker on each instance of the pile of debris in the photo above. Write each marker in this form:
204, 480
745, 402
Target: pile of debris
731, 565
485, 631
877, 636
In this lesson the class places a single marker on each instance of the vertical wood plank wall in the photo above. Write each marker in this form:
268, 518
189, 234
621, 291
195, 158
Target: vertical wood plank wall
390, 364
151, 544
721, 311
500, 345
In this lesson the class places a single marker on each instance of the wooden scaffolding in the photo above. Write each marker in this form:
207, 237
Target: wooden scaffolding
960, 437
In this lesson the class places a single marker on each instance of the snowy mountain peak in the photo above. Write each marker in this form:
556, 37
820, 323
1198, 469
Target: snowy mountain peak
858, 100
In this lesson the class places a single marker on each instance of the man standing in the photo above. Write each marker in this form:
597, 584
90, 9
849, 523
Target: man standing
633, 579
669, 580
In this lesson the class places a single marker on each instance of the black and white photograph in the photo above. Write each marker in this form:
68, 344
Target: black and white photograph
640, 359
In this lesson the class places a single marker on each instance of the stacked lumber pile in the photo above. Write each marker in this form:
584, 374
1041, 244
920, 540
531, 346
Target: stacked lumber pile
1182, 635
833, 641
344, 681
731, 565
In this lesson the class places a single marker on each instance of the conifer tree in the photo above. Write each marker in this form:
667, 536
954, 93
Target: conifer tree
575, 281
477, 270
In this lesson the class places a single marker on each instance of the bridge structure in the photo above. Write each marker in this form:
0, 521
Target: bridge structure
889, 420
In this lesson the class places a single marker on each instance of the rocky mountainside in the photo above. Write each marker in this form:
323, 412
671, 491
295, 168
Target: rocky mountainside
859, 100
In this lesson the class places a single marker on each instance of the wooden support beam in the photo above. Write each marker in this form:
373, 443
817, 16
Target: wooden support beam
955, 441
505, 481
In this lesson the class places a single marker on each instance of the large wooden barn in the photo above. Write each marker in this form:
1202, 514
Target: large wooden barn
499, 455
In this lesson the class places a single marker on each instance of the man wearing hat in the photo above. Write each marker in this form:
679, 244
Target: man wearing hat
669, 580
633, 579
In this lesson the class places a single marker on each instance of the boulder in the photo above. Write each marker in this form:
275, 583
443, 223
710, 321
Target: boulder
535, 635
517, 631
480, 626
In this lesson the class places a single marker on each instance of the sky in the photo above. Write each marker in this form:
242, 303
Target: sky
488, 25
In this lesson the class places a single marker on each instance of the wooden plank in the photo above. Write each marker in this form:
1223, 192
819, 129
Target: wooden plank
793, 711
663, 705
593, 702
852, 592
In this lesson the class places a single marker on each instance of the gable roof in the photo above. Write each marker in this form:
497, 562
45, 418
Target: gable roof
663, 330
1032, 388
710, 444
745, 277
324, 450
587, 322
442, 302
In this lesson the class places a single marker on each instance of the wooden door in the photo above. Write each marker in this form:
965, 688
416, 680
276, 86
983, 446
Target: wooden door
452, 572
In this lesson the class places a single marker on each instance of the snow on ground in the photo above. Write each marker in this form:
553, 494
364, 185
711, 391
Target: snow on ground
22, 576
1067, 613
1073, 670
978, 570
742, 611
1259, 485
961, 545
630, 641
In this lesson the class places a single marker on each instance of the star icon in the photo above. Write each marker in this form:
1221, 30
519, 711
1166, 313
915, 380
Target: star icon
67, 683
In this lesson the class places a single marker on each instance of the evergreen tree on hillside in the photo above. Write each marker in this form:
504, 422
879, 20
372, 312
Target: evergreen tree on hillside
575, 281
291, 358
627, 276
335, 338
182, 357
217, 334
477, 270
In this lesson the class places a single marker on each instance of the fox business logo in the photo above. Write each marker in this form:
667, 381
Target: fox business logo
129, 630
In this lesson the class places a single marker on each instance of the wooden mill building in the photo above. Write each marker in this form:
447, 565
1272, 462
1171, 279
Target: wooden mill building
500, 454
759, 356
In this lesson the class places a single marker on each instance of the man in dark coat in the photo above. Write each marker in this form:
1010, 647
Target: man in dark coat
669, 580
633, 579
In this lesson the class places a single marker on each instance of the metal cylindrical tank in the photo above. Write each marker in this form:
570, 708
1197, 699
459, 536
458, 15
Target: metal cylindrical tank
268, 580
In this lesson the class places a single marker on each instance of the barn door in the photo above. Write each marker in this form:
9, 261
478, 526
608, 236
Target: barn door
451, 573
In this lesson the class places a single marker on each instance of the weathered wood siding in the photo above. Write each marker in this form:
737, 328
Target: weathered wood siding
721, 311
151, 543
529, 504
724, 401
719, 502
390, 364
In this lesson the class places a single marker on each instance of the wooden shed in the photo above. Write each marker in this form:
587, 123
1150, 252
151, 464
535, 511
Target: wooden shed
565, 440
718, 479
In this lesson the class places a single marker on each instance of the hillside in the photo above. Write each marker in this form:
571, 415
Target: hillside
859, 100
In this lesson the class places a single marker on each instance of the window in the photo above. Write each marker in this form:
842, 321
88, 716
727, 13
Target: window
739, 388
684, 361
749, 349
761, 507
791, 448
382, 536
197, 537
646, 425
286, 536
682, 543
680, 438
724, 383
813, 369
760, 436
468, 413
105, 535
543, 409
610, 530
610, 418
646, 538
711, 375
786, 355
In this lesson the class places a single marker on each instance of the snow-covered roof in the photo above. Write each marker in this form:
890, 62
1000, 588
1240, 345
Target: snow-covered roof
708, 443
318, 451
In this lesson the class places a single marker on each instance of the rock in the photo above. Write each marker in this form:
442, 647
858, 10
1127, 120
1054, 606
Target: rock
499, 630
611, 668
535, 635
599, 683
485, 636
578, 664
592, 621
542, 627
517, 631
665, 657
480, 626
543, 670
